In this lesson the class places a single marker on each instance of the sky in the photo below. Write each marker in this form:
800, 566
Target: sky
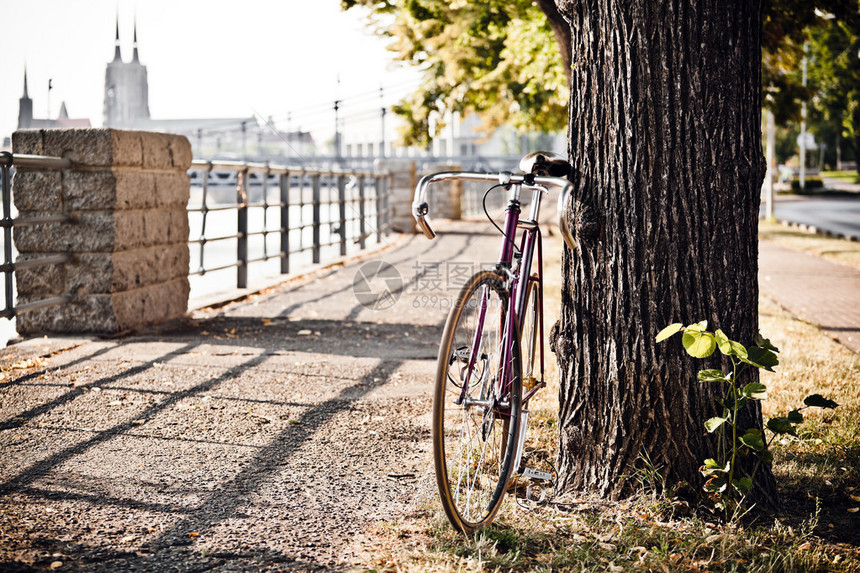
288, 59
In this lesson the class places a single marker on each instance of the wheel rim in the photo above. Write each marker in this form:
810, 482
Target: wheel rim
475, 433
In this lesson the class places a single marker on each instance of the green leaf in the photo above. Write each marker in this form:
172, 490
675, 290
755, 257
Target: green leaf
795, 417
761, 358
819, 401
723, 341
763, 342
711, 463
699, 343
781, 426
698, 327
743, 485
712, 376
730, 403
714, 423
729, 347
669, 331
755, 391
712, 467
766, 456
753, 439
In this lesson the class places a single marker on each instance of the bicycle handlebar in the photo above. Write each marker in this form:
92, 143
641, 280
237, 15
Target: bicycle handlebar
420, 208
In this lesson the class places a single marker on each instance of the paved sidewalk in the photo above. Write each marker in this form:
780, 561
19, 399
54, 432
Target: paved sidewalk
818, 291
267, 434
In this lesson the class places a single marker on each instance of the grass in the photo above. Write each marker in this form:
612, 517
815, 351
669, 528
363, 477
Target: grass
818, 476
847, 176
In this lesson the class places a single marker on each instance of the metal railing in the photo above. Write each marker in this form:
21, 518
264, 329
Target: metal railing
320, 213
8, 222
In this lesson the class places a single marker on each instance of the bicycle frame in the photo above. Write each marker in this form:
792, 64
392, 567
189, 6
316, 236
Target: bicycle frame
518, 266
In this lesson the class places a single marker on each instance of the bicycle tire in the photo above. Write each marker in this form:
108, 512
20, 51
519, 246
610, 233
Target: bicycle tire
474, 446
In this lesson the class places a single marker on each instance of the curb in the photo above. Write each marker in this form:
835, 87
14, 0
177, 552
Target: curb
817, 231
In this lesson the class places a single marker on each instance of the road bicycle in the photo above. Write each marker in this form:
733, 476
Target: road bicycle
491, 358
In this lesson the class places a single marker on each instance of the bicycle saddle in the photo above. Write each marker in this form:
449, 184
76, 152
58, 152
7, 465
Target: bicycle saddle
545, 163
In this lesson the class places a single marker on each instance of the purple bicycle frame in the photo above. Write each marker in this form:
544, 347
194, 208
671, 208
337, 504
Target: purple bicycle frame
517, 300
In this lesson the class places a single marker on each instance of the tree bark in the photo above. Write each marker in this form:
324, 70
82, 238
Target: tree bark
665, 142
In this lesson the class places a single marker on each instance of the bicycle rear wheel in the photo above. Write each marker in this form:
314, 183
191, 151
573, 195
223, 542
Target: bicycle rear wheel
475, 431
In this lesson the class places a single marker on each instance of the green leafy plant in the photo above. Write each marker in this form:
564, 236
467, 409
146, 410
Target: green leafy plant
727, 483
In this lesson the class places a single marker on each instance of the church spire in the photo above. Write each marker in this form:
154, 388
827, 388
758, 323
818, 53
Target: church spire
134, 57
26, 95
117, 56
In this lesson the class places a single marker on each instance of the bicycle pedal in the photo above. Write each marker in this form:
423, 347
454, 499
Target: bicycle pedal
531, 473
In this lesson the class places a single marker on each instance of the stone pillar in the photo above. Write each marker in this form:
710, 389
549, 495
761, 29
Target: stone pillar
402, 189
445, 198
126, 195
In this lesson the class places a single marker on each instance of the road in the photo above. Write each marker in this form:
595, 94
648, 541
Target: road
840, 215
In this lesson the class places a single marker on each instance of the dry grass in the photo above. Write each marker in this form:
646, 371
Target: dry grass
818, 475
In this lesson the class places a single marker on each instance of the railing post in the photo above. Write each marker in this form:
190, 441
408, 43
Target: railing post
361, 222
242, 229
386, 205
7, 234
315, 247
378, 186
341, 203
285, 223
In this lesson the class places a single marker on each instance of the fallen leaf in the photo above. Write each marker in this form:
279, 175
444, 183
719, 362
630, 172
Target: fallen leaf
853, 509
304, 333
193, 534
855, 497
56, 564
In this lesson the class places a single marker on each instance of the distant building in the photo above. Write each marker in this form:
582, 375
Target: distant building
126, 89
27, 121
126, 106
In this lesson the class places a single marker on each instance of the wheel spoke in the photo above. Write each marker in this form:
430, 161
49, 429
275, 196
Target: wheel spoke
471, 444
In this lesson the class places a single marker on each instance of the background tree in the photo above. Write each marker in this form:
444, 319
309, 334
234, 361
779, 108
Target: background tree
784, 32
664, 139
499, 59
835, 71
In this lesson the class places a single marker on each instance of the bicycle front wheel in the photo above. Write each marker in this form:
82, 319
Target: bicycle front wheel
476, 407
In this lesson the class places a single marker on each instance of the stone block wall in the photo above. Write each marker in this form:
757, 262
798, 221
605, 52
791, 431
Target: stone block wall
401, 190
126, 194
445, 198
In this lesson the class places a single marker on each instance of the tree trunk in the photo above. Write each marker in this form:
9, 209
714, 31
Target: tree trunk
665, 141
